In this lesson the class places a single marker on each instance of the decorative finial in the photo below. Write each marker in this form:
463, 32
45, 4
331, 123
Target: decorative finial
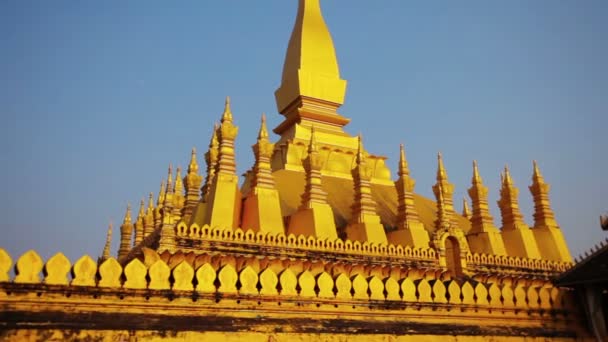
263, 134
476, 177
403, 167
169, 187
179, 185
106, 249
193, 166
441, 173
142, 206
507, 178
466, 212
360, 158
127, 219
537, 175
161, 194
151, 201
227, 115
312, 145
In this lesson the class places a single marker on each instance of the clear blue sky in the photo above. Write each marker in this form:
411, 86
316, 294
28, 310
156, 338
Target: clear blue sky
98, 97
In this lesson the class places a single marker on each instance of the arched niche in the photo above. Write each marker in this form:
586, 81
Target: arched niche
452, 248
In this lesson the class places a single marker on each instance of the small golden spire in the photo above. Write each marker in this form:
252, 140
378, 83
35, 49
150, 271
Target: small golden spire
150, 203
227, 115
193, 166
403, 167
139, 224
360, 158
127, 219
312, 145
466, 212
179, 184
126, 232
536, 175
476, 178
507, 177
441, 173
263, 133
169, 188
106, 248
161, 194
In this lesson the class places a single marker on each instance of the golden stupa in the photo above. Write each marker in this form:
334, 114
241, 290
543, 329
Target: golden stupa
319, 242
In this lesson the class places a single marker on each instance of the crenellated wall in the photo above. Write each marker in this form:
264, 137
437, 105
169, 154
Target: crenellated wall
249, 295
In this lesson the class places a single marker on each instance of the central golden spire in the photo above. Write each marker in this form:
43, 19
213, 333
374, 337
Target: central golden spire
311, 88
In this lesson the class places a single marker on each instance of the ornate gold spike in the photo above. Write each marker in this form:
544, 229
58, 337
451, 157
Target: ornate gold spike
441, 173
179, 185
106, 248
476, 178
126, 231
410, 230
466, 212
139, 224
227, 115
127, 218
263, 133
169, 187
211, 159
193, 166
403, 167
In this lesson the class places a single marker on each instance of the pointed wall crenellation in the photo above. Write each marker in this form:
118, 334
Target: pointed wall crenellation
262, 208
365, 223
410, 230
315, 216
483, 237
549, 237
518, 238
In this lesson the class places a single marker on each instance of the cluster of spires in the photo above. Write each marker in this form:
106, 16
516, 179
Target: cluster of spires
178, 199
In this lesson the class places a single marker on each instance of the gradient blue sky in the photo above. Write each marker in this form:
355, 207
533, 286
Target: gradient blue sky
97, 97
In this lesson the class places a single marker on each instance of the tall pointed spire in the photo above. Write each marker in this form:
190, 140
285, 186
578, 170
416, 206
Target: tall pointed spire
311, 88
227, 115
483, 236
549, 237
139, 224
410, 230
178, 195
126, 232
443, 191
192, 180
149, 217
167, 232
313, 191
543, 214
224, 197
517, 236
211, 159
481, 220
364, 222
262, 209
106, 248
158, 214
466, 212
